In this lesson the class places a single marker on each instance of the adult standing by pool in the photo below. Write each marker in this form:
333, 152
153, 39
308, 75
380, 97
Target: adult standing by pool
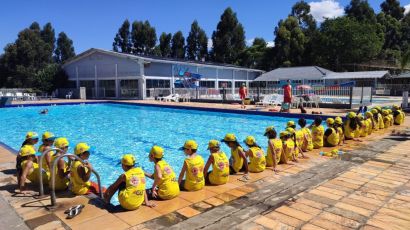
287, 96
243, 93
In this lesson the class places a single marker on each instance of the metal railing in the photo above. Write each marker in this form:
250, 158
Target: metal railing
40, 176
53, 175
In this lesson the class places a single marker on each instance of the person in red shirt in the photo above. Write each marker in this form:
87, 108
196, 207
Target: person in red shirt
243, 93
287, 96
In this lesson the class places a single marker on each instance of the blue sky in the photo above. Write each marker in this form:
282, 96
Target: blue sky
93, 23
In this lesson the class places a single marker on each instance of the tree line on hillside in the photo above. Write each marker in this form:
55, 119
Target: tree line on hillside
359, 36
34, 59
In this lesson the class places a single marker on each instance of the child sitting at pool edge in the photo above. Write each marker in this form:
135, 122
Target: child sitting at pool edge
238, 161
257, 160
193, 167
131, 186
220, 165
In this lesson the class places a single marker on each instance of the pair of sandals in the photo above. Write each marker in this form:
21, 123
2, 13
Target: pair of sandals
74, 211
244, 178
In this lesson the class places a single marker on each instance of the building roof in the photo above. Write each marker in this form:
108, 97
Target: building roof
294, 73
357, 75
156, 59
403, 75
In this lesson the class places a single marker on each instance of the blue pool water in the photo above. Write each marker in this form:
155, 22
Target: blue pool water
114, 129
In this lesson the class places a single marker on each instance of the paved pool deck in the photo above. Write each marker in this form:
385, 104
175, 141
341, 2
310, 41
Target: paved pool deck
368, 188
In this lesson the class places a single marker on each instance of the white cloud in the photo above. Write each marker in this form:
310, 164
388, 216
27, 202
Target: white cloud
407, 7
210, 43
249, 42
270, 44
326, 9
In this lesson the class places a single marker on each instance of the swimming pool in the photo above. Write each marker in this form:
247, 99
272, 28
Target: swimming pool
117, 129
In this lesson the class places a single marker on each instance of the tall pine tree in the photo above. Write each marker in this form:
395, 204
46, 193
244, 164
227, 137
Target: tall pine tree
361, 10
122, 42
65, 49
48, 36
197, 43
143, 38
229, 38
393, 8
165, 44
177, 47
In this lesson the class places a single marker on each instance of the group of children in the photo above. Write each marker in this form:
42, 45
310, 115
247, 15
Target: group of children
195, 173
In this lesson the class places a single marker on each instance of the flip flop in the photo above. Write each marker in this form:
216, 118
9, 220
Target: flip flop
74, 212
80, 206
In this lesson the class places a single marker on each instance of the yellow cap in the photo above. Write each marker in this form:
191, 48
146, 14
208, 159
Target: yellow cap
284, 133
80, 148
31, 135
390, 111
190, 144
269, 129
157, 151
128, 160
230, 137
360, 116
385, 112
338, 120
351, 115
290, 124
48, 136
396, 107
250, 140
290, 130
213, 144
378, 108
27, 150
330, 121
368, 114
374, 111
61, 142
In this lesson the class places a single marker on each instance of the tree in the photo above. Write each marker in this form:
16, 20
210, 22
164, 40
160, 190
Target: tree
229, 38
361, 10
165, 44
65, 49
177, 47
252, 56
393, 8
197, 43
48, 36
405, 60
392, 37
345, 40
143, 38
290, 42
122, 38
405, 32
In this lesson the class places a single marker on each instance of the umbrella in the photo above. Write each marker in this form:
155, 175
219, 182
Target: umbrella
303, 87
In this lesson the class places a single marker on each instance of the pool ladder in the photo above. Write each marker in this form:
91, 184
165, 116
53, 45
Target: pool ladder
53, 174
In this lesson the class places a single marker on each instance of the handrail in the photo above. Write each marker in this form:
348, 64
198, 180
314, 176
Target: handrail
53, 174
40, 176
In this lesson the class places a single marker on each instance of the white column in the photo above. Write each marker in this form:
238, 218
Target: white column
217, 80
141, 81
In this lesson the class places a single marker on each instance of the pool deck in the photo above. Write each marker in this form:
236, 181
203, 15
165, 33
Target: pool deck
368, 189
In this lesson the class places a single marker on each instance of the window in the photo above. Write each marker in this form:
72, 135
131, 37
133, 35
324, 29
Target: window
106, 88
238, 84
207, 84
256, 84
158, 83
72, 84
225, 84
273, 84
296, 81
129, 88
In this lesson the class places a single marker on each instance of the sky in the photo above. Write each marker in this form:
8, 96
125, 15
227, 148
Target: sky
94, 23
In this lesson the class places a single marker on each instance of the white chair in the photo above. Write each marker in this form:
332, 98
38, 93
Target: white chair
68, 96
266, 100
171, 97
19, 96
276, 100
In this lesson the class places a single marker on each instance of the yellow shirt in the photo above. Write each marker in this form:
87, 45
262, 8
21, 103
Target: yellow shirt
308, 143
60, 183
257, 161
349, 132
341, 134
220, 169
34, 173
380, 121
132, 196
317, 136
237, 159
333, 139
288, 149
168, 187
369, 126
277, 145
41, 149
195, 173
364, 128
79, 187
398, 120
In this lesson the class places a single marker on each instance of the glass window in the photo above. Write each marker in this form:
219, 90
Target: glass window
158, 83
207, 84
238, 84
129, 88
225, 84
106, 88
